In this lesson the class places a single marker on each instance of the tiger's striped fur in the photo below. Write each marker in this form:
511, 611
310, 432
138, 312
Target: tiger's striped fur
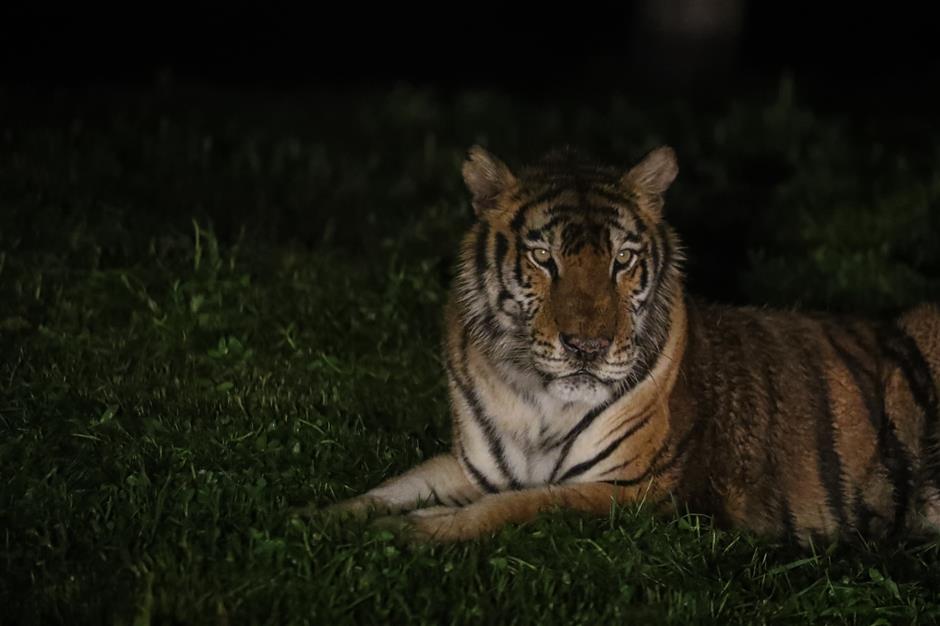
778, 422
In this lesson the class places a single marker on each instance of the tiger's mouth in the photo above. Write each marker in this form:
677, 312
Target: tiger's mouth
581, 376
580, 385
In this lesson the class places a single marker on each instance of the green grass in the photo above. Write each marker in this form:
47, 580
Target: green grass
216, 307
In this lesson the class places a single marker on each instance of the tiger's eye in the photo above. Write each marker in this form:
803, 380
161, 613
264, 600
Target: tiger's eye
541, 255
626, 257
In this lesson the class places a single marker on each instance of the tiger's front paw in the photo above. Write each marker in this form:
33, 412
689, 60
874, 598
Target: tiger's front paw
358, 508
433, 524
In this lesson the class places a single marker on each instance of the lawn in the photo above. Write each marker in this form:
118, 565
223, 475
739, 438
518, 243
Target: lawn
218, 306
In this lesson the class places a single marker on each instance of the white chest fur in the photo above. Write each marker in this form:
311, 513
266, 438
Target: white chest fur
512, 433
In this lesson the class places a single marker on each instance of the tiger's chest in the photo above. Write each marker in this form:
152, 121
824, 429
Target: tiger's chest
513, 435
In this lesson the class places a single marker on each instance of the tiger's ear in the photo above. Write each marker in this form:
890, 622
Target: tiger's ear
486, 177
655, 172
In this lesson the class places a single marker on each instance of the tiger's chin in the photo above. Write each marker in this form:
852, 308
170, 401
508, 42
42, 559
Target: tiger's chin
582, 388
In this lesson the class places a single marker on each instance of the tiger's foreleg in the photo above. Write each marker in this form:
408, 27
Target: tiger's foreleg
438, 481
491, 512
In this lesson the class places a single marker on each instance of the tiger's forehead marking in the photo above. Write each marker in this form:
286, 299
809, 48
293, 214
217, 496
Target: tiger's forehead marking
574, 212
578, 234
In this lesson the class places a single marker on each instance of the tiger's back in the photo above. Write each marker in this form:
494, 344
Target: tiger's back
810, 425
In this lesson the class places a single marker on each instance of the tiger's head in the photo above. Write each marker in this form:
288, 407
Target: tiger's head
570, 273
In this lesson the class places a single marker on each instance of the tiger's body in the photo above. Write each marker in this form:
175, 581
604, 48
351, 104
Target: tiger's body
581, 374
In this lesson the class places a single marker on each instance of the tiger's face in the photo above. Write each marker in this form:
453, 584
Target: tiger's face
570, 271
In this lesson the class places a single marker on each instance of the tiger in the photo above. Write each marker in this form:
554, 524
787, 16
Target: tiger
583, 376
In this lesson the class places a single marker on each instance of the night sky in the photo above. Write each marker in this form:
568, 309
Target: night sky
879, 55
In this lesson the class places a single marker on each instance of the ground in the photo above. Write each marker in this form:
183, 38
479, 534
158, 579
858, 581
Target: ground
217, 307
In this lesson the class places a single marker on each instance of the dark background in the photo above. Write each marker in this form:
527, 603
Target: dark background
121, 104
874, 56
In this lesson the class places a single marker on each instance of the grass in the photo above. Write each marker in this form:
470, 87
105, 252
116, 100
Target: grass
216, 307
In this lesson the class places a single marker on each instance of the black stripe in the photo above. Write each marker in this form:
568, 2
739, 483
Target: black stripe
868, 348
623, 200
869, 345
661, 254
584, 466
894, 454
864, 381
863, 513
478, 475
501, 300
690, 436
891, 451
652, 469
552, 442
662, 238
501, 247
578, 428
768, 340
480, 256
651, 343
903, 350
487, 321
549, 226
494, 445
592, 229
552, 269
583, 208
614, 429
644, 276
575, 232
561, 209
493, 442
829, 463
896, 459
517, 270
654, 252
629, 236
546, 196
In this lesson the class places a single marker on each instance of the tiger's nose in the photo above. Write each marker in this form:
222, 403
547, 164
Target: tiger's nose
587, 346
